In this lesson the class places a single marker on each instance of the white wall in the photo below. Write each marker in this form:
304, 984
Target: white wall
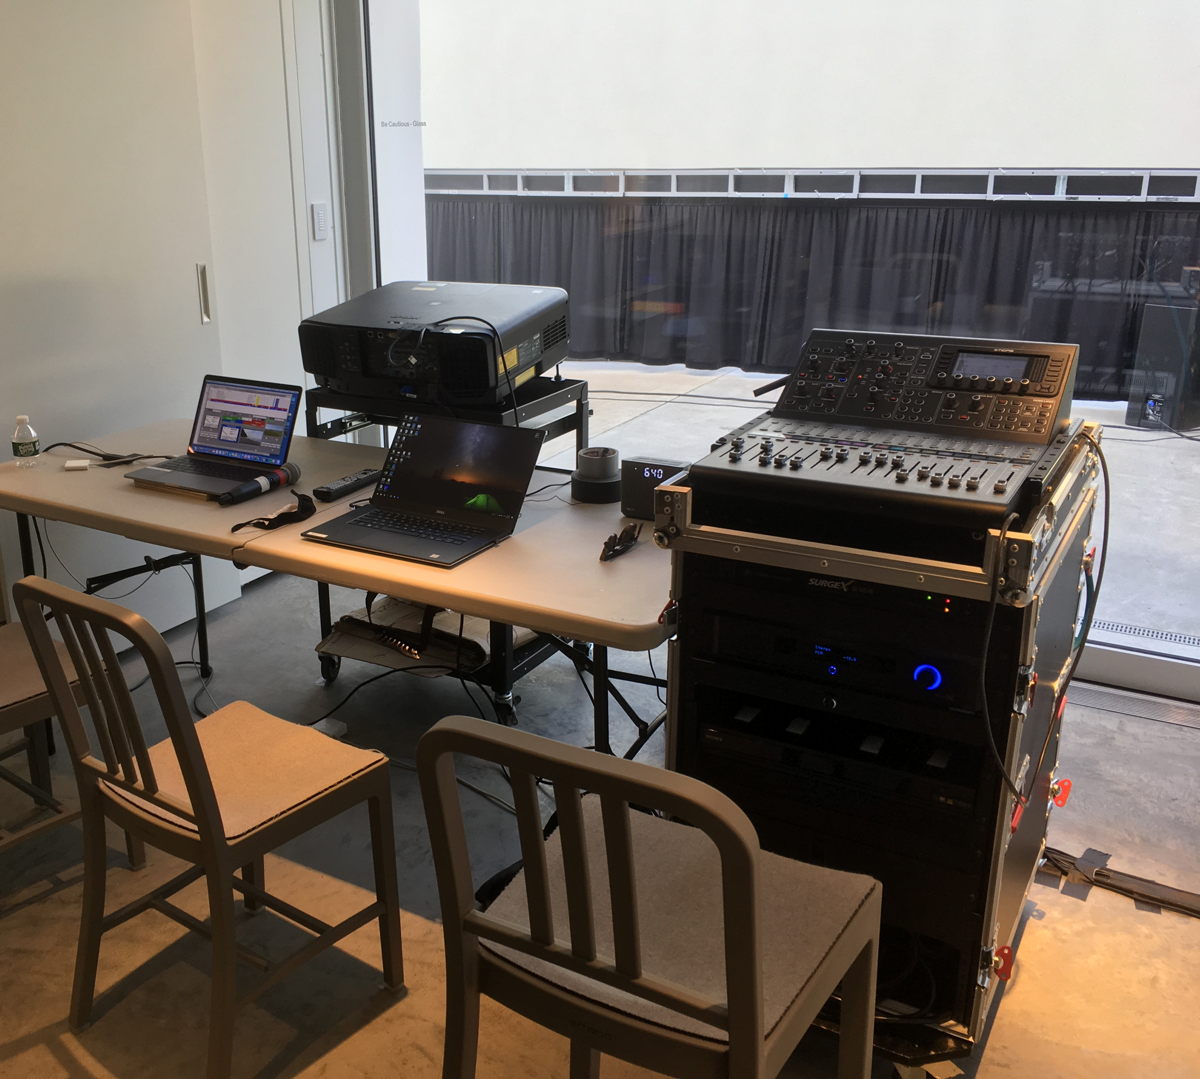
396, 63
105, 216
142, 138
248, 173
798, 83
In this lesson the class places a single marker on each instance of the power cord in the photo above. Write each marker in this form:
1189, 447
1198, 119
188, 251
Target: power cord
500, 359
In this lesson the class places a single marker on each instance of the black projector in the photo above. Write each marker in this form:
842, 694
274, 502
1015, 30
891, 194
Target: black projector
447, 342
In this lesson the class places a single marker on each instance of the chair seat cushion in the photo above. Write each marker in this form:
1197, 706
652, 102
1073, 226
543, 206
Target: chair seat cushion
803, 910
23, 697
261, 767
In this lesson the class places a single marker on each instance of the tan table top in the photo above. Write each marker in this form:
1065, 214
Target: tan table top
547, 576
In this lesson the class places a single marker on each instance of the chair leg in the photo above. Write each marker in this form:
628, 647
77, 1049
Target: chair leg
462, 1013
387, 891
224, 975
857, 1025
95, 872
585, 1061
37, 753
253, 873
135, 848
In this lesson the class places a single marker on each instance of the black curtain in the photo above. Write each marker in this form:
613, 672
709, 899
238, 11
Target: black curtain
740, 282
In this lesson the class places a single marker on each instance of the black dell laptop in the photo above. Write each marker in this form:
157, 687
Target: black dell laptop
243, 428
449, 489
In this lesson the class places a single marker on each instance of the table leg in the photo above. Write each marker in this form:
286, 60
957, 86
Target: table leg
500, 672
330, 665
201, 616
600, 689
27, 566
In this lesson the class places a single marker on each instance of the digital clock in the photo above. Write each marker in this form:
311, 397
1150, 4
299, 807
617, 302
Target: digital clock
639, 477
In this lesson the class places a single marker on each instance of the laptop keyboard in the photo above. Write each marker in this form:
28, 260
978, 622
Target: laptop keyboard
207, 468
412, 524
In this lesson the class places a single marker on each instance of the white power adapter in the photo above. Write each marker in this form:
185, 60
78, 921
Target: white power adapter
77, 464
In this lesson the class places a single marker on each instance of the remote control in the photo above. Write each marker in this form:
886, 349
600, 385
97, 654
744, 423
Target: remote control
355, 481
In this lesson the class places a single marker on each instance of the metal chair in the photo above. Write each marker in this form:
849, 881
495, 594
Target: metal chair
25, 706
219, 793
687, 950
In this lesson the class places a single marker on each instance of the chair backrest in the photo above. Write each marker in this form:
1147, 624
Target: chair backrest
619, 784
88, 625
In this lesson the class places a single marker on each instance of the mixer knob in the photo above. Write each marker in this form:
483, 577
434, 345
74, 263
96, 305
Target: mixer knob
935, 480
954, 481
1023, 386
826, 452
842, 453
923, 473
898, 459
734, 457
881, 458
1000, 487
763, 460
902, 475
958, 380
990, 383
864, 456
794, 464
780, 460
973, 483
870, 342
941, 377
976, 403
738, 442
1007, 384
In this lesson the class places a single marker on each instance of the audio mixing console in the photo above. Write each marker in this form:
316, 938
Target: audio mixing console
966, 426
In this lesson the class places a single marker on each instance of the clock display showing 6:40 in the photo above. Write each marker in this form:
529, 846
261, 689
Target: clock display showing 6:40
639, 477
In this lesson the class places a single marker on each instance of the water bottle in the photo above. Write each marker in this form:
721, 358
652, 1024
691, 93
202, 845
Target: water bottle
25, 444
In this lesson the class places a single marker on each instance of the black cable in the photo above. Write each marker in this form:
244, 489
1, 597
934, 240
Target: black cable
375, 678
675, 398
654, 674
993, 602
409, 766
512, 390
1180, 434
1088, 614
547, 487
104, 455
1101, 562
37, 532
57, 557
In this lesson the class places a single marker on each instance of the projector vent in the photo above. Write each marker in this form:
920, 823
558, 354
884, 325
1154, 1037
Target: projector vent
555, 332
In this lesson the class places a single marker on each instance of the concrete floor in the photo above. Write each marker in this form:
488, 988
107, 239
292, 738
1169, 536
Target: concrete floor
1104, 988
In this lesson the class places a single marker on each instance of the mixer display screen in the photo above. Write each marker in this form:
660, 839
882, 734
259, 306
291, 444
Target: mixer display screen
988, 364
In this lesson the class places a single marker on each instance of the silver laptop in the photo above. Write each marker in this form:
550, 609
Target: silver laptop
449, 489
243, 429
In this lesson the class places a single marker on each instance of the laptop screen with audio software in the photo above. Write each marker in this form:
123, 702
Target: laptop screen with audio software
245, 420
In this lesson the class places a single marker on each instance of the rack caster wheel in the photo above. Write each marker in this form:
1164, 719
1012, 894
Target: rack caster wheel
330, 666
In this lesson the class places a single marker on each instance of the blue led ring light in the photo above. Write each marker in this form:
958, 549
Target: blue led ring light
932, 671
